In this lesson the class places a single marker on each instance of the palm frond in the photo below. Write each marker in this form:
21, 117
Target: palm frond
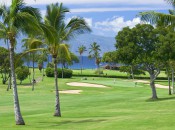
76, 26
55, 15
155, 17
171, 2
26, 22
32, 11
49, 33
63, 52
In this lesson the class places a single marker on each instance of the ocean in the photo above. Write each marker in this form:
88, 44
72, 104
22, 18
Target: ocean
87, 64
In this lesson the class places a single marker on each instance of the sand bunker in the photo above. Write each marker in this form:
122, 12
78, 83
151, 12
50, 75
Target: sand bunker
71, 91
141, 81
147, 82
86, 85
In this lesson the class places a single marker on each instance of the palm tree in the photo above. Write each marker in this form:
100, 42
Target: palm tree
95, 53
63, 56
81, 50
32, 43
17, 17
61, 32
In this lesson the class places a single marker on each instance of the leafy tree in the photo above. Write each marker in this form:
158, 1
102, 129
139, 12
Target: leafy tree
110, 58
4, 64
143, 40
127, 53
81, 50
60, 32
16, 18
22, 73
166, 50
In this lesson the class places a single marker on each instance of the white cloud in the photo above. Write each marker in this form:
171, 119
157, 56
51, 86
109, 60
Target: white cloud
115, 24
125, 2
115, 9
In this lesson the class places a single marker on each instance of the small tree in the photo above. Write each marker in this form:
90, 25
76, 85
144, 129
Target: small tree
95, 53
81, 50
143, 48
110, 58
22, 73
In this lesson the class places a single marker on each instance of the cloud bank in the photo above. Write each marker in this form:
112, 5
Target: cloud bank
125, 2
114, 25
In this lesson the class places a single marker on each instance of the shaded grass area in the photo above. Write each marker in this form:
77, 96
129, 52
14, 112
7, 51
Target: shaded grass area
115, 74
120, 106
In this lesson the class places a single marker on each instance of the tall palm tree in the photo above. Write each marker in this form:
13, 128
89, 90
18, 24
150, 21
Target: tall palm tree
81, 50
61, 32
95, 53
16, 18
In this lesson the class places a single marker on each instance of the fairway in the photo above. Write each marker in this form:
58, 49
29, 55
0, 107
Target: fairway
121, 106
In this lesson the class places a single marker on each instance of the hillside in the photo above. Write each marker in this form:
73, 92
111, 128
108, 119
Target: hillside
106, 43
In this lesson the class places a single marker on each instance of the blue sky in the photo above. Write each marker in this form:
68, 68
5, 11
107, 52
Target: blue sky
105, 17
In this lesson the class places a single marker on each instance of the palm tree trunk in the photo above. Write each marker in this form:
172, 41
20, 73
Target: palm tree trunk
57, 100
9, 82
33, 78
81, 63
173, 80
18, 116
28, 65
43, 73
169, 87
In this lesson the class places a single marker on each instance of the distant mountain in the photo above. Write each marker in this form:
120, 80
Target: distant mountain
106, 43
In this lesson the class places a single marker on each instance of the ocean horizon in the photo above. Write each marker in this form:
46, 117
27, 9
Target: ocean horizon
87, 63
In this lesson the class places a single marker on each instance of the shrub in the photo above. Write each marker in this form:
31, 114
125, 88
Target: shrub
99, 71
22, 73
67, 73
49, 72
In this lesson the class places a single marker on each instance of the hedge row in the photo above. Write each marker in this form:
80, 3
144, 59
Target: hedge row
67, 73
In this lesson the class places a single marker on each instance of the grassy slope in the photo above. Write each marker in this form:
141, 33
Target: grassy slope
111, 73
122, 106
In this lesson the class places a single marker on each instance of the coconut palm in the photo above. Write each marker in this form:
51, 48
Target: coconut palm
32, 43
64, 55
16, 18
95, 53
81, 50
156, 17
55, 18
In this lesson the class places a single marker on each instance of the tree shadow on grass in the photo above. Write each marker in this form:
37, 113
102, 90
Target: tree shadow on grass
72, 122
160, 99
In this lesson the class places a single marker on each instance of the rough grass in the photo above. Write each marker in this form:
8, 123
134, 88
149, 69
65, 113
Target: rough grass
120, 107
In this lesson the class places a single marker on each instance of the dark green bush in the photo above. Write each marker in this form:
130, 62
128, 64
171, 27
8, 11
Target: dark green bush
22, 73
67, 73
50, 72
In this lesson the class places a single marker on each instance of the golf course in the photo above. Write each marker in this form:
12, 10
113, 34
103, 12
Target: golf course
122, 104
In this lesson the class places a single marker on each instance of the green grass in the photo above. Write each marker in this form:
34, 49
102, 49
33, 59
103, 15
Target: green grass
112, 73
121, 106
